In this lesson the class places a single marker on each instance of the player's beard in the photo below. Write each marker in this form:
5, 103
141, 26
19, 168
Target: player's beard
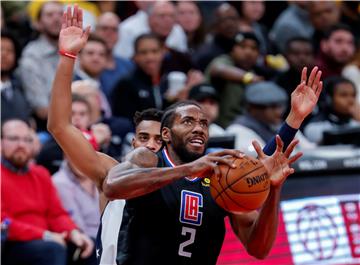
179, 146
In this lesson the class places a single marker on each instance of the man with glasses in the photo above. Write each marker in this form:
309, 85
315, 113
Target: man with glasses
38, 226
116, 67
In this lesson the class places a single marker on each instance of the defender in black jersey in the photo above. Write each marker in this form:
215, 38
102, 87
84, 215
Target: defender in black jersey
170, 217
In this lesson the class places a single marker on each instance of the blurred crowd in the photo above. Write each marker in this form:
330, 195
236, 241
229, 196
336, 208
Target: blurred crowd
151, 54
239, 60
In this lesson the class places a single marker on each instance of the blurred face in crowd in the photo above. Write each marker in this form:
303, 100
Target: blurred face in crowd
271, 114
143, 5
107, 29
50, 19
344, 98
210, 107
323, 15
162, 19
91, 94
7, 55
227, 20
80, 115
245, 54
300, 54
340, 46
17, 143
253, 10
93, 58
149, 55
147, 134
188, 16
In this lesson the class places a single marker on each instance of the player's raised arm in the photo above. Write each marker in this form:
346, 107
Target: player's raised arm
72, 39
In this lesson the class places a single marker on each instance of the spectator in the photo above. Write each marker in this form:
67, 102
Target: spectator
141, 89
250, 14
341, 98
39, 61
99, 135
292, 22
337, 49
160, 20
118, 126
299, 53
207, 97
225, 29
92, 62
352, 72
231, 72
80, 198
13, 101
189, 17
116, 67
350, 16
323, 16
265, 105
134, 22
39, 226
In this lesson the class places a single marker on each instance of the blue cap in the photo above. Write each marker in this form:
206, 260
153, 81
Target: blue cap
265, 93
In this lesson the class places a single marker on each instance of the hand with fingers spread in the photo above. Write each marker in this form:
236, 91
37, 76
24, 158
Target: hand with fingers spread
208, 164
72, 37
305, 97
278, 164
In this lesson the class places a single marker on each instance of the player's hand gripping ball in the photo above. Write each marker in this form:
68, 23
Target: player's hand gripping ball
241, 189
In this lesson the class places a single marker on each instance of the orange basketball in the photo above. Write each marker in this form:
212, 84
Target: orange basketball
241, 189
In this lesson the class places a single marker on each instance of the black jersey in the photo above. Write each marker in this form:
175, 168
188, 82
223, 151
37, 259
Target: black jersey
177, 224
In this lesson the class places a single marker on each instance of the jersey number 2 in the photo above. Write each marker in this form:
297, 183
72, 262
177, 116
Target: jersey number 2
192, 232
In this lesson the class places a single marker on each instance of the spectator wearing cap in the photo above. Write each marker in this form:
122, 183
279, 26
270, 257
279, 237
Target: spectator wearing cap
230, 73
265, 105
207, 97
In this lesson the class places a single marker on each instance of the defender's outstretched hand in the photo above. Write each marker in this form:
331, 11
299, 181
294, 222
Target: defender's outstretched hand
278, 165
305, 97
72, 37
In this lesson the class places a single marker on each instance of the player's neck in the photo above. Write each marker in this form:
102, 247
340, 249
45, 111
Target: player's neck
173, 156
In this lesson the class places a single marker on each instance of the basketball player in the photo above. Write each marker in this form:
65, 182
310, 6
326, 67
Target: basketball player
157, 228
147, 134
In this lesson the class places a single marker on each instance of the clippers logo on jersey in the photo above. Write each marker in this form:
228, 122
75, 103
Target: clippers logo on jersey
190, 207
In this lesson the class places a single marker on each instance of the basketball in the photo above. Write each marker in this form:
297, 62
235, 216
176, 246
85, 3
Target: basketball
241, 189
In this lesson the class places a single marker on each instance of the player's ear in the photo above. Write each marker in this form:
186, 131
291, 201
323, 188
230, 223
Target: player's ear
166, 135
133, 142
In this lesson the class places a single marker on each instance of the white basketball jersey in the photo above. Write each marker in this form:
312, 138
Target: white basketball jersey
106, 249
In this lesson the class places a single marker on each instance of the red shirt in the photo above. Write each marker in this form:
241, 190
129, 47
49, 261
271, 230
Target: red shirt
30, 201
